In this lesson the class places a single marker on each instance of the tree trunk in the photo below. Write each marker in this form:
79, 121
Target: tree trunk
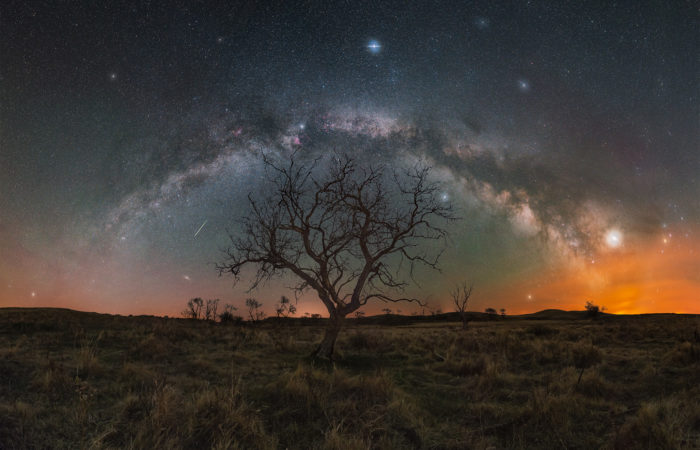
465, 320
327, 345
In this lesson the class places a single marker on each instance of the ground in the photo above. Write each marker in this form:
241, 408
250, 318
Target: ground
83, 380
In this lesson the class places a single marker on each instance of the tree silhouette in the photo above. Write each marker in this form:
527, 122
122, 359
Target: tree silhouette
460, 296
343, 230
194, 308
592, 310
254, 310
285, 308
210, 309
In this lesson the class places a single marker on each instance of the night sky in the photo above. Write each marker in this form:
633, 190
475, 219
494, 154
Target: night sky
566, 134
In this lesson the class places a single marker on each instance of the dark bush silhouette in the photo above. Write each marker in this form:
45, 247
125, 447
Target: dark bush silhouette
592, 310
228, 316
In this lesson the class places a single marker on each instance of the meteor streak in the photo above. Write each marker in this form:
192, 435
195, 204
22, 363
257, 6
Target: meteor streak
200, 228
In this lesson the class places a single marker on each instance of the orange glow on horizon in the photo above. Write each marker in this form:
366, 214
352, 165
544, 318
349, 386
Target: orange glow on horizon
639, 279
658, 276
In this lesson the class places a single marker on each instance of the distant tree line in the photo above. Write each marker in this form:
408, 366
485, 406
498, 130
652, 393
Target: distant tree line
208, 310
200, 309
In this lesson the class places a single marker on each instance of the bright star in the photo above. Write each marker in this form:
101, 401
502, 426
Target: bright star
112, 76
481, 23
523, 85
374, 47
613, 238
444, 196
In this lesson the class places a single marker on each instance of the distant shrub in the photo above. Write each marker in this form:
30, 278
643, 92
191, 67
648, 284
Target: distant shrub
592, 310
227, 317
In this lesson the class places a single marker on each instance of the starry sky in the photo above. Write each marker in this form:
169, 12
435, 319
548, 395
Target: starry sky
566, 134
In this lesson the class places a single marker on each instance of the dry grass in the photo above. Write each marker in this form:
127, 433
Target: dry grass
76, 380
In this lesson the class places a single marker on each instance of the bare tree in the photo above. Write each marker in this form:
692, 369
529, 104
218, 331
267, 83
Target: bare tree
460, 296
194, 308
210, 309
285, 308
254, 310
350, 233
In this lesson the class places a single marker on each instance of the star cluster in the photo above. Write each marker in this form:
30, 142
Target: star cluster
566, 137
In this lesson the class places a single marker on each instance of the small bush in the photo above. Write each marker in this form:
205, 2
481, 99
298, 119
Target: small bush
227, 318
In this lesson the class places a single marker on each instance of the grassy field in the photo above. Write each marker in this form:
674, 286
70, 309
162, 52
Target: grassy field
83, 380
